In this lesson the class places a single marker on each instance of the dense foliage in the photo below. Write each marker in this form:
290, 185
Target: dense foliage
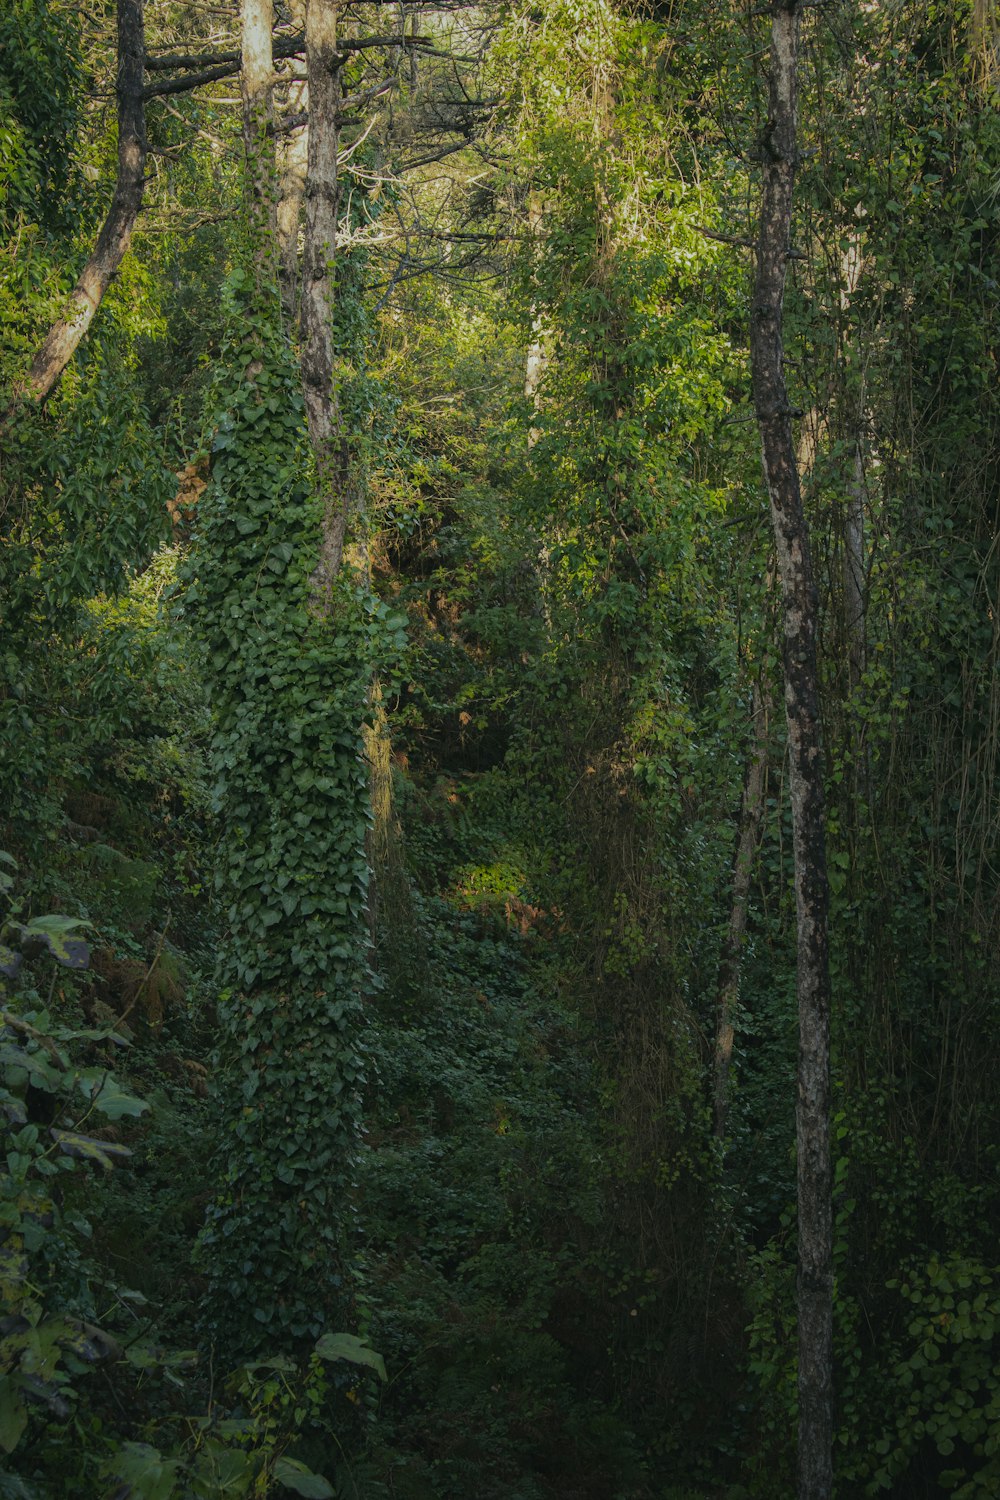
362, 964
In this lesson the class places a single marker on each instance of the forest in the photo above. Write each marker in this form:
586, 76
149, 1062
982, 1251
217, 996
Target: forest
500, 749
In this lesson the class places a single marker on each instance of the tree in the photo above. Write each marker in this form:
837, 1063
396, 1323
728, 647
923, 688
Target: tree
326, 430
779, 155
257, 89
64, 336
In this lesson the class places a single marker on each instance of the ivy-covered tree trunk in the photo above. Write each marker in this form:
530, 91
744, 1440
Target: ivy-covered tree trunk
63, 338
291, 798
290, 694
779, 153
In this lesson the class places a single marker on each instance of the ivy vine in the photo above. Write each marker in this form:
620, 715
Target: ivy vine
290, 793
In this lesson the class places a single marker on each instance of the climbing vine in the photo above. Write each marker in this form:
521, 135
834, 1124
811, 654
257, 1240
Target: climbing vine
290, 793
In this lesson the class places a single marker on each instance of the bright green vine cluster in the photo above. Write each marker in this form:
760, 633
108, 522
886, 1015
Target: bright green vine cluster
291, 796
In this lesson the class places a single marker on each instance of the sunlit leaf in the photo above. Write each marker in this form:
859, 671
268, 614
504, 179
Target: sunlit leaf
346, 1346
86, 1148
53, 934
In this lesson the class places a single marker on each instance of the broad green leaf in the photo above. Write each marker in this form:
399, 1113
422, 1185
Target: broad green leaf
53, 933
279, 1362
86, 1148
106, 1094
295, 1476
223, 1471
41, 1072
13, 1415
13, 1108
234, 1427
54, 923
346, 1346
150, 1475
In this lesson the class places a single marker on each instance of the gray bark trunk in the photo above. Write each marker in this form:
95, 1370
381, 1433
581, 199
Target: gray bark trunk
257, 89
293, 161
291, 191
537, 358
326, 428
799, 608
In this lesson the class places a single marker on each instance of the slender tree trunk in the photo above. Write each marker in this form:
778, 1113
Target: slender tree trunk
257, 89
730, 963
799, 608
291, 191
537, 358
64, 336
986, 42
854, 570
852, 263
326, 429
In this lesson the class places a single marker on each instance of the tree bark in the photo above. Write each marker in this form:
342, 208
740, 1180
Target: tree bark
257, 90
854, 570
537, 358
64, 336
852, 263
291, 190
326, 429
799, 608
751, 809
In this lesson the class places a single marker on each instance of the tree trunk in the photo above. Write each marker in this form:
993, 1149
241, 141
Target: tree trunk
293, 156
799, 607
854, 570
326, 429
257, 89
852, 263
291, 190
113, 241
751, 809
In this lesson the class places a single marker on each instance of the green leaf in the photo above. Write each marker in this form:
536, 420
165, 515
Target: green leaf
295, 1476
86, 1148
10, 961
42, 1073
13, 1415
13, 1108
53, 933
107, 1095
149, 1475
279, 1362
53, 923
223, 1471
346, 1346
